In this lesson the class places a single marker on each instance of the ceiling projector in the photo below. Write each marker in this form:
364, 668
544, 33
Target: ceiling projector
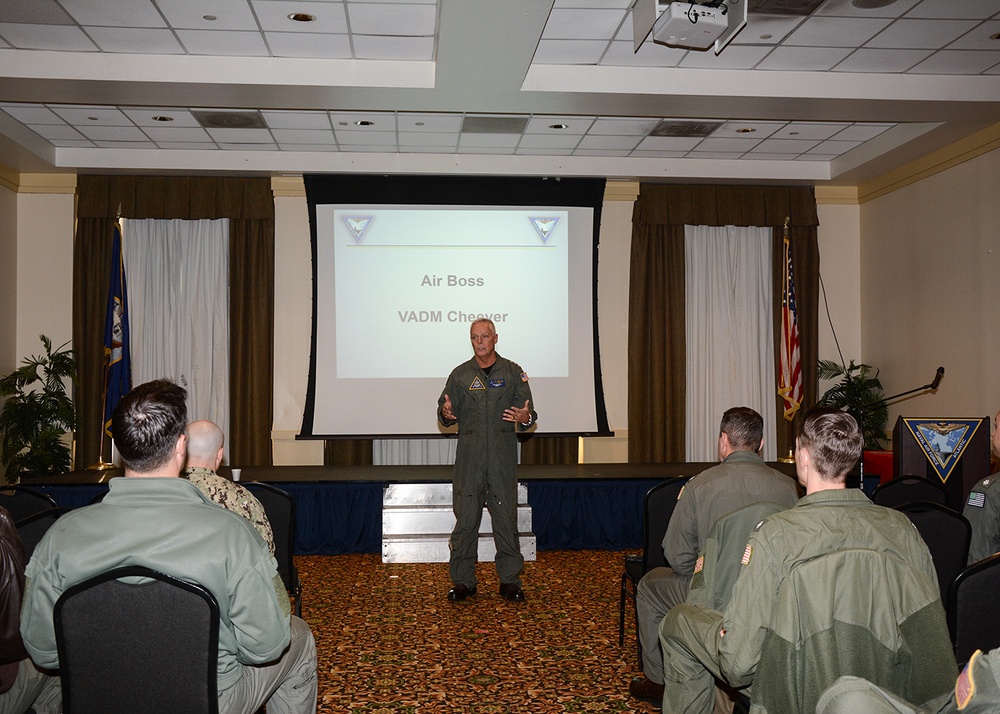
684, 24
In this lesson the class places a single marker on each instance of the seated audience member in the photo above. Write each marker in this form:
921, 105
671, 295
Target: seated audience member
983, 510
741, 479
977, 691
205, 447
155, 519
22, 685
700, 644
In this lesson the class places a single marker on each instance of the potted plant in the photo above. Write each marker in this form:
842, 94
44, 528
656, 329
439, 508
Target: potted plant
859, 392
37, 413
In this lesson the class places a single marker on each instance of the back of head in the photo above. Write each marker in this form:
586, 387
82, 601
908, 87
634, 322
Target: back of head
744, 427
833, 440
204, 440
147, 423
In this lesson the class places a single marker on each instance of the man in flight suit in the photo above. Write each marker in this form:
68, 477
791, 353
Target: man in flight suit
490, 399
983, 510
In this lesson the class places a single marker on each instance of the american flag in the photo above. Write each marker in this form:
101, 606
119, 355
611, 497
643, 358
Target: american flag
790, 379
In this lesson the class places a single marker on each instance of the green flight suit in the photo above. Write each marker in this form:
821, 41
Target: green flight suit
485, 464
700, 643
982, 510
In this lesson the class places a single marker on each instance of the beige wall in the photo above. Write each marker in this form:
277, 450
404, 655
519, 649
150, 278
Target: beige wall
8, 280
840, 250
930, 264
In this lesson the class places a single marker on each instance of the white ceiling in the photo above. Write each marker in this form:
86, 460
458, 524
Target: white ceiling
841, 96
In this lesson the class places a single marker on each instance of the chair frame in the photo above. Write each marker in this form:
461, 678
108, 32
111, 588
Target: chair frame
53, 513
290, 576
31, 492
66, 660
992, 561
652, 556
901, 481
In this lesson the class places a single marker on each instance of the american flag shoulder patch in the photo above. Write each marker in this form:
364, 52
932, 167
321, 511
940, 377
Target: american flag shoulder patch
965, 685
977, 499
699, 564
747, 554
524, 376
681, 492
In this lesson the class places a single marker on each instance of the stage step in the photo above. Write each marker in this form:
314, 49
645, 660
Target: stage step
417, 520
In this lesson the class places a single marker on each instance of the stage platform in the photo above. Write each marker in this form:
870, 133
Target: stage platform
339, 508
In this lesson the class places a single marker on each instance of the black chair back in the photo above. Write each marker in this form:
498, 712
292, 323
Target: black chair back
947, 535
24, 501
279, 507
657, 508
137, 646
34, 527
909, 489
973, 603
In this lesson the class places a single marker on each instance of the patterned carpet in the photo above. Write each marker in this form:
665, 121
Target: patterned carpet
389, 642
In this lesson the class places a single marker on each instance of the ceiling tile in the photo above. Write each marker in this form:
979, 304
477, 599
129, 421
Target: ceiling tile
834, 148
882, 61
348, 121
623, 127
248, 147
815, 157
980, 38
92, 116
862, 132
784, 146
650, 54
112, 133
728, 145
921, 34
541, 124
430, 122
181, 145
389, 19
609, 142
836, 31
225, 42
179, 133
297, 120
668, 143
974, 9
738, 129
601, 152
366, 149
144, 116
957, 62
583, 24
427, 149
846, 8
308, 147
111, 144
40, 12
240, 135
134, 13
467, 141
33, 114
303, 136
52, 132
530, 151
538, 141
645, 154
715, 154
808, 130
804, 58
567, 51
190, 15
297, 44
273, 16
67, 38
135, 40
624, 4
765, 156
427, 138
366, 138
767, 29
487, 150
734, 57
371, 47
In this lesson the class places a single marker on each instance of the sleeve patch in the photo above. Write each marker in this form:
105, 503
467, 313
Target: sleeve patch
524, 376
699, 564
681, 492
747, 554
977, 499
965, 685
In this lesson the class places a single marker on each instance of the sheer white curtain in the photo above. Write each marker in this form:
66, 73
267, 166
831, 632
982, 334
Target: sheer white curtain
730, 348
178, 292
386, 452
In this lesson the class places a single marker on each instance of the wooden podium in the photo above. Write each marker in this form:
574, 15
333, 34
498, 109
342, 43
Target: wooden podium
952, 452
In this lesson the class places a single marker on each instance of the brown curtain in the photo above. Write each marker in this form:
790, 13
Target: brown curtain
550, 449
657, 358
347, 452
250, 206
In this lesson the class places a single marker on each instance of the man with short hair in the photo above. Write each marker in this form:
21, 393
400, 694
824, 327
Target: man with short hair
155, 519
701, 644
740, 479
982, 509
490, 399
205, 449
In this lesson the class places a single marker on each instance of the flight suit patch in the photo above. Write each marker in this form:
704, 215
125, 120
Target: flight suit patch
747, 554
497, 383
681, 492
477, 383
965, 686
524, 376
977, 499
699, 564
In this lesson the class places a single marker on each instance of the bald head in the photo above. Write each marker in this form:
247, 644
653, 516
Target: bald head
204, 441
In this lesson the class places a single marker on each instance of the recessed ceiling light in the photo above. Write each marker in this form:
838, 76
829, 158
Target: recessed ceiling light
364, 122
558, 126
793, 133
766, 36
872, 4
746, 130
418, 123
209, 18
301, 17
161, 117
91, 118
995, 36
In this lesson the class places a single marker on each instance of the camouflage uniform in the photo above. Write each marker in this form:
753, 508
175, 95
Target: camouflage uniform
233, 497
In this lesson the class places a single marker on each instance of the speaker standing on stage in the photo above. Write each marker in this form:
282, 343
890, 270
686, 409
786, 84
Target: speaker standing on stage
490, 399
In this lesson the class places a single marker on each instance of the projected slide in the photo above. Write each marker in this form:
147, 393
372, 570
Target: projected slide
410, 275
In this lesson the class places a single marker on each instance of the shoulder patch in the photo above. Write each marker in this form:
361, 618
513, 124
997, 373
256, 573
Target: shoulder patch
524, 376
977, 499
477, 383
681, 492
699, 564
965, 685
747, 554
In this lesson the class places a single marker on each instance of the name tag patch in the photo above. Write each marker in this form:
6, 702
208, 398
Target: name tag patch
497, 383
